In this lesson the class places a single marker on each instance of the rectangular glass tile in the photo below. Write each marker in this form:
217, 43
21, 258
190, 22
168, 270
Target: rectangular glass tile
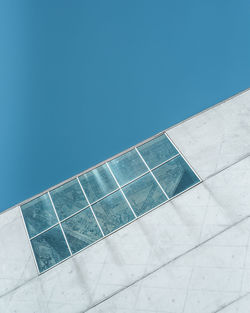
98, 183
38, 215
144, 194
81, 230
175, 176
127, 167
157, 151
68, 199
112, 212
50, 248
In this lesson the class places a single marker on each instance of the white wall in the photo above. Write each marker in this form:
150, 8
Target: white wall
190, 255
16, 261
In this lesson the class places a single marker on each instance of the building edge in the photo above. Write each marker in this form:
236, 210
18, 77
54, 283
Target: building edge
127, 150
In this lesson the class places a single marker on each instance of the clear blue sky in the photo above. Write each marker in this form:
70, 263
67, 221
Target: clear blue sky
83, 80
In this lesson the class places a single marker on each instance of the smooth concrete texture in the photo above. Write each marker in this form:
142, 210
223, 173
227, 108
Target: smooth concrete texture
205, 279
216, 138
16, 261
190, 255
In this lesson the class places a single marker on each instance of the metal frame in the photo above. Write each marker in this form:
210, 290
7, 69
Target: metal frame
90, 204
121, 190
65, 238
29, 240
116, 189
90, 207
150, 171
183, 156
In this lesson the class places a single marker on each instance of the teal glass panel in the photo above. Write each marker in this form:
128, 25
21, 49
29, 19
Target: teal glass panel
38, 215
127, 167
98, 183
175, 176
112, 212
50, 248
68, 199
157, 151
144, 194
81, 230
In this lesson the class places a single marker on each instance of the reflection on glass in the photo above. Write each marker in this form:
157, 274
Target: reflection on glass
144, 194
38, 215
175, 176
112, 212
127, 167
50, 248
68, 199
157, 151
97, 183
81, 230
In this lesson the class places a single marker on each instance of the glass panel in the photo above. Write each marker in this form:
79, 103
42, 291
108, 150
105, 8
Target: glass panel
112, 212
127, 167
68, 199
98, 183
50, 248
144, 194
175, 176
38, 215
157, 151
81, 230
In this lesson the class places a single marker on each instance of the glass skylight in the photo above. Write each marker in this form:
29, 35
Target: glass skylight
80, 212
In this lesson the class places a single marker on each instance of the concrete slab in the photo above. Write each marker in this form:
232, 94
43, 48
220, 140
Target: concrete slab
216, 138
190, 255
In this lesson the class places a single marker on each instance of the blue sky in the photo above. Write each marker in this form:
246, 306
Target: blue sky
83, 80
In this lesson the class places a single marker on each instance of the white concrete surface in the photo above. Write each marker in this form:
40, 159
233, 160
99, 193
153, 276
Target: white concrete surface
190, 255
16, 261
205, 279
216, 138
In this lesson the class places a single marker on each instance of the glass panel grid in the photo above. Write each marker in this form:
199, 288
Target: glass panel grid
60, 224
122, 191
134, 208
90, 207
153, 176
157, 151
68, 199
113, 212
39, 215
50, 248
98, 183
144, 194
127, 166
81, 230
175, 176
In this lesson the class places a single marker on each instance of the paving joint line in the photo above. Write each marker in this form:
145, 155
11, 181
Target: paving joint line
167, 263
231, 302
